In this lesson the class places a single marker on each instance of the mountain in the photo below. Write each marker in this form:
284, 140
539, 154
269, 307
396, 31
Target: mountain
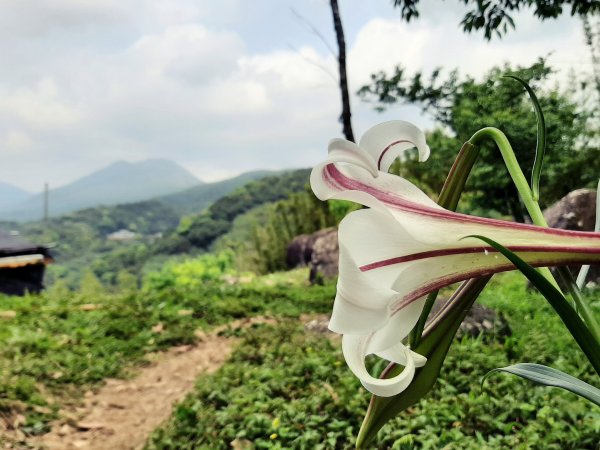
11, 195
120, 182
197, 198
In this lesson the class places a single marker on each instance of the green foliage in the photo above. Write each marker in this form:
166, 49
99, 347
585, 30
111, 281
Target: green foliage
494, 17
80, 241
200, 231
61, 343
547, 376
260, 237
81, 237
200, 197
466, 105
281, 389
286, 381
191, 273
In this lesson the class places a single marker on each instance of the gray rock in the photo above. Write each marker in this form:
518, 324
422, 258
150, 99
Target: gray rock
576, 211
479, 321
300, 250
325, 256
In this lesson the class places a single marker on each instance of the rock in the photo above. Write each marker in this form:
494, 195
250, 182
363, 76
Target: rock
576, 211
299, 251
325, 255
479, 321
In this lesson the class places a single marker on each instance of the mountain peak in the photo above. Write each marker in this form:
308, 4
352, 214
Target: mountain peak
119, 182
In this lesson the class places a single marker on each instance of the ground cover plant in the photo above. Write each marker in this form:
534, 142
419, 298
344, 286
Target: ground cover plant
56, 345
285, 387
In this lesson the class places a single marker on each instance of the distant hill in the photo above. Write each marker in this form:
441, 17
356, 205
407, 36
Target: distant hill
120, 182
11, 195
200, 230
197, 198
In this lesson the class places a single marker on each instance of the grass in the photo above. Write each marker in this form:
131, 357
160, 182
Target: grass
60, 344
287, 388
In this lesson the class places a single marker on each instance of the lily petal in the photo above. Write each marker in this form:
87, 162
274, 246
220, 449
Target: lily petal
355, 349
406, 246
389, 140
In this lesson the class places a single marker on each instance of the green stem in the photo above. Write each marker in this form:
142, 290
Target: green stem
449, 197
535, 212
519, 180
582, 306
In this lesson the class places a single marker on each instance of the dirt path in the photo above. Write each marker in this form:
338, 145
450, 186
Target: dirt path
123, 413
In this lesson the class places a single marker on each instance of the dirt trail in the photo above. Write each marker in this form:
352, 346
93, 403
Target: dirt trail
123, 413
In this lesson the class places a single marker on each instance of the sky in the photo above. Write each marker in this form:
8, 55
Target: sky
220, 86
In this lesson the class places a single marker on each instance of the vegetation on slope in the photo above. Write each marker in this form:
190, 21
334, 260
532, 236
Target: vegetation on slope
288, 388
197, 198
60, 343
201, 230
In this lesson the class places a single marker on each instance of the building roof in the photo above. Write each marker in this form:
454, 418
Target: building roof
14, 245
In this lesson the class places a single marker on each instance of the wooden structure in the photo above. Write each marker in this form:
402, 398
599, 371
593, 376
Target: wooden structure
22, 265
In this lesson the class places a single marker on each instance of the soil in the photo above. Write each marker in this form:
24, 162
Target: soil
122, 414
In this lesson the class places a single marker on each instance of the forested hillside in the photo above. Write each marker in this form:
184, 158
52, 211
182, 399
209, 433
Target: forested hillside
199, 197
199, 231
81, 247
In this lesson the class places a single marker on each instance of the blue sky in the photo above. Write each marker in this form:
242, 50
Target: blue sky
219, 86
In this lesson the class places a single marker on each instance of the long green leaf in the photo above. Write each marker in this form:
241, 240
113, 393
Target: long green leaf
540, 147
548, 376
561, 305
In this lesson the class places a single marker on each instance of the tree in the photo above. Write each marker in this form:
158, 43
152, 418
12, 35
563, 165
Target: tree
346, 115
462, 106
494, 16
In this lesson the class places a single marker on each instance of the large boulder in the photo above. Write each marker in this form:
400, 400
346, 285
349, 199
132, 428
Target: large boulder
300, 250
575, 211
325, 256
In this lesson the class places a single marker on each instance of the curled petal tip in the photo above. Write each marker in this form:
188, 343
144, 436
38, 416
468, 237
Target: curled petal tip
424, 152
389, 140
355, 350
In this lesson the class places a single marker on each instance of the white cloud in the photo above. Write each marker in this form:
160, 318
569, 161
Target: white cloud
36, 18
38, 106
191, 53
90, 82
420, 46
17, 142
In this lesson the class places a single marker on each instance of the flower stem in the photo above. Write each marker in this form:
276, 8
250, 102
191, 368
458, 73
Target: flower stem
535, 212
449, 197
510, 160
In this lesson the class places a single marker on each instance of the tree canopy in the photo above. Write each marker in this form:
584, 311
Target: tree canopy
462, 105
494, 17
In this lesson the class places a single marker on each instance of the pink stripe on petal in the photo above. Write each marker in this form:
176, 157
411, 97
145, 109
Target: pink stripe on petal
441, 282
385, 150
468, 250
393, 200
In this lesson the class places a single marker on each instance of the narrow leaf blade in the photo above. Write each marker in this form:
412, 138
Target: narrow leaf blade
547, 376
561, 305
540, 148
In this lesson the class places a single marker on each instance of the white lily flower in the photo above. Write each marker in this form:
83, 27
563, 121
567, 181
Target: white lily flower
406, 246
